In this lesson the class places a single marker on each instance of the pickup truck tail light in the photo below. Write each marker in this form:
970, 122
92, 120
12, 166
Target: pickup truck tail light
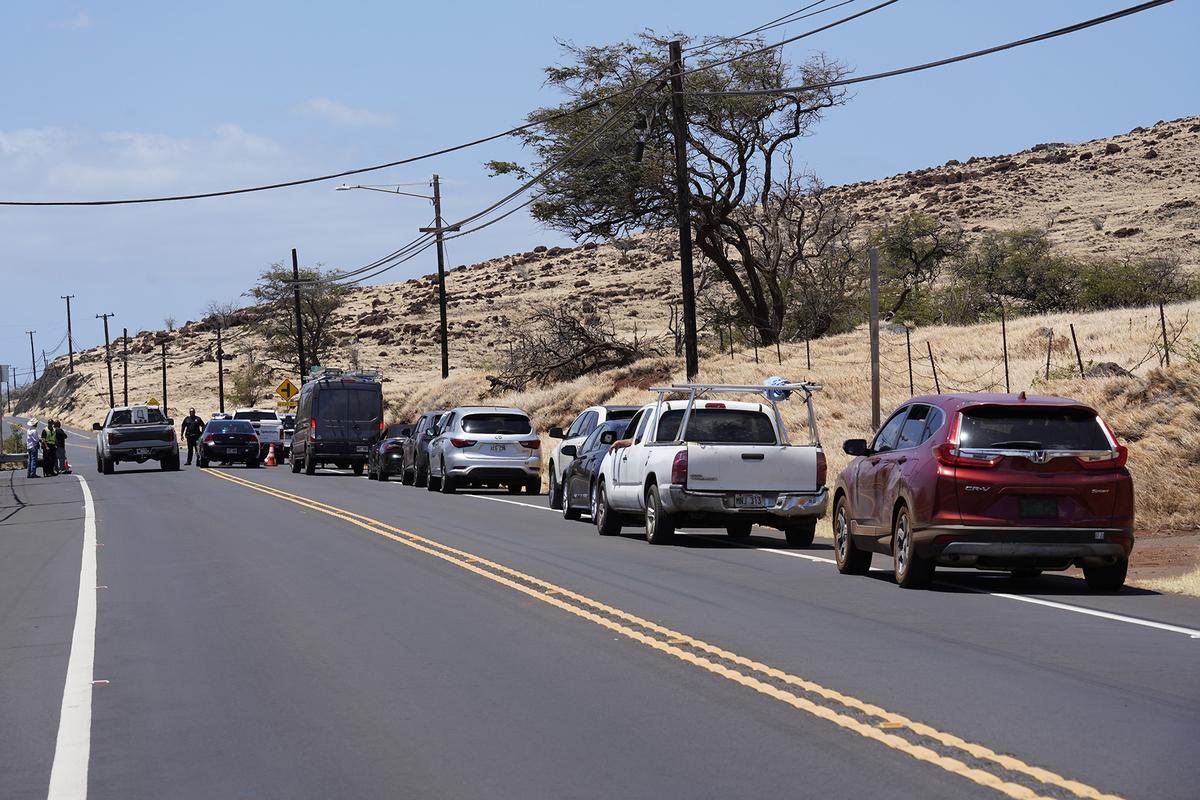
462, 442
112, 438
532, 444
822, 469
679, 468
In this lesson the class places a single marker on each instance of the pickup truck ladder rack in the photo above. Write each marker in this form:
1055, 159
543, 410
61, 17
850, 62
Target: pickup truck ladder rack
696, 390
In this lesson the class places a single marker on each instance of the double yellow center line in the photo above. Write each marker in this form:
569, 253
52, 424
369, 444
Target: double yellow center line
974, 762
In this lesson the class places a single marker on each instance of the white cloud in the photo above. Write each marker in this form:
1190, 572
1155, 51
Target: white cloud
341, 114
78, 22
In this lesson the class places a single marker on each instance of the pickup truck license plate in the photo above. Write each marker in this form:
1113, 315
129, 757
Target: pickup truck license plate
748, 500
498, 448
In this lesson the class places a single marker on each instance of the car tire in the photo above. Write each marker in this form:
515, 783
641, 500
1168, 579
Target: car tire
381, 475
533, 486
568, 512
202, 463
433, 483
514, 487
851, 560
911, 570
406, 476
358, 469
556, 490
1109, 578
448, 483
99, 464
660, 526
107, 466
421, 478
739, 530
295, 466
801, 534
252, 463
370, 473
608, 521
310, 464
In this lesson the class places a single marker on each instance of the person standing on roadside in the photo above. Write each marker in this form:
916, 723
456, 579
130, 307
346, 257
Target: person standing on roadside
33, 444
51, 467
191, 429
60, 445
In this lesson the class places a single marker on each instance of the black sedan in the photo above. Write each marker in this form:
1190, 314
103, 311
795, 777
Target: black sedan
580, 479
387, 455
227, 441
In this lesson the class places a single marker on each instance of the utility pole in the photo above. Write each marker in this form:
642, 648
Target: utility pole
112, 401
438, 230
221, 368
125, 363
70, 339
873, 259
299, 318
164, 371
683, 202
32, 355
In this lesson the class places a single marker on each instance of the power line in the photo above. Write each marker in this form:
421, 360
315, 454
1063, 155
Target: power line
786, 19
333, 176
1041, 37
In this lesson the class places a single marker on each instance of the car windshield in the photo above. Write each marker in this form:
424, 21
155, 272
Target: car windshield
621, 413
228, 426
496, 423
1045, 428
718, 426
136, 416
256, 416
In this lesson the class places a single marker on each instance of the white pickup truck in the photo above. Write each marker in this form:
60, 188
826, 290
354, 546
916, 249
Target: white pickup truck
710, 463
269, 427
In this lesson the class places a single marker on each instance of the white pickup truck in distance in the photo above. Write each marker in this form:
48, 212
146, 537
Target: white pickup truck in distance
269, 427
706, 462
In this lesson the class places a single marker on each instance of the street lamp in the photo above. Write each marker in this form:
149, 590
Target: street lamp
438, 230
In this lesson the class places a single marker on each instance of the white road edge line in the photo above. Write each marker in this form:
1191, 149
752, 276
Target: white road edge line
69, 773
1091, 612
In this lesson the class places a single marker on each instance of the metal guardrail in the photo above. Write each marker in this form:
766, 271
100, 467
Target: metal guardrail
13, 458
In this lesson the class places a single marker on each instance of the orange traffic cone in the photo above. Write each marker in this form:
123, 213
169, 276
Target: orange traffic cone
66, 467
271, 455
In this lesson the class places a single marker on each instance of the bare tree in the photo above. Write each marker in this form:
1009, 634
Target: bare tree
169, 322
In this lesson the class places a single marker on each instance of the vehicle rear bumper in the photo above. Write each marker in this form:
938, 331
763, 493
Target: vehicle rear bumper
156, 451
1042, 548
480, 473
716, 509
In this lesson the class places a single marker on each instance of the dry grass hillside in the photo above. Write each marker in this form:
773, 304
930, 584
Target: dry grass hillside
1130, 194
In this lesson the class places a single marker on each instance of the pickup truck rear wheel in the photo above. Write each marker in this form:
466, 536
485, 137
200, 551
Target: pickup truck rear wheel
107, 466
801, 534
660, 526
850, 559
608, 522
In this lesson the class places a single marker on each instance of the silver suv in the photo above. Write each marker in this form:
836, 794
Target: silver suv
485, 446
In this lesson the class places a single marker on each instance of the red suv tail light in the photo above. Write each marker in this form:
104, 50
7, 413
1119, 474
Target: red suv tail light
949, 455
822, 469
462, 442
532, 444
679, 468
1119, 456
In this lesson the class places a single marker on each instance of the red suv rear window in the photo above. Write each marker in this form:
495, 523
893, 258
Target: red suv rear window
1045, 428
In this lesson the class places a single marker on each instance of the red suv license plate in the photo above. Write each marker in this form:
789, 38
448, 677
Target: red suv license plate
1038, 507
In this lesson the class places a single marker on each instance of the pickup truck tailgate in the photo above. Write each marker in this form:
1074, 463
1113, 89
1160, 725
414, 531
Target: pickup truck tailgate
752, 468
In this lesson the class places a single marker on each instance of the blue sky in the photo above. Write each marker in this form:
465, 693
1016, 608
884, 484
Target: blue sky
144, 98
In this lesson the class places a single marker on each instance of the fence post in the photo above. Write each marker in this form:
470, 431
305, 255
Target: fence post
1162, 318
1049, 346
731, 341
1078, 357
778, 350
912, 390
754, 340
807, 354
1004, 342
936, 383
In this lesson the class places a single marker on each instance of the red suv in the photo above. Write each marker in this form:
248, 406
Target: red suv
993, 481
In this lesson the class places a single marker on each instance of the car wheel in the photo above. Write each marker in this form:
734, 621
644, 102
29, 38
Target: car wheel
739, 530
358, 469
608, 522
912, 571
449, 484
406, 475
310, 464
381, 475
107, 466
801, 534
533, 486
556, 490
514, 488
99, 465
850, 559
660, 526
568, 512
370, 473
422, 476
432, 482
1108, 578
295, 464
202, 463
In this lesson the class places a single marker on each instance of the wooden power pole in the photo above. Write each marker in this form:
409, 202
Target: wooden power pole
112, 400
683, 202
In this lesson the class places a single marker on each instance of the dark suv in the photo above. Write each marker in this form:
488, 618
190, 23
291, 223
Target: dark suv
338, 418
1008, 482
414, 462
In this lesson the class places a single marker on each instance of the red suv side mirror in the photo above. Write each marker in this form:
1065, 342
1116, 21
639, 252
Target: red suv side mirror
855, 447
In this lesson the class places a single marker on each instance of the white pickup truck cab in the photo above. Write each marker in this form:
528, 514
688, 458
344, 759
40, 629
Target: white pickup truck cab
269, 427
707, 462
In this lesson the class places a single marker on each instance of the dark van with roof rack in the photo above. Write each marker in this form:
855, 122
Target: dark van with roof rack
338, 417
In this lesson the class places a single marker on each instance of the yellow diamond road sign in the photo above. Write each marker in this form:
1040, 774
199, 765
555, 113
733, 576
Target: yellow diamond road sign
287, 390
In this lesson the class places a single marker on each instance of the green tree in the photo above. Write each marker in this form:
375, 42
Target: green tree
912, 252
1017, 268
320, 298
735, 147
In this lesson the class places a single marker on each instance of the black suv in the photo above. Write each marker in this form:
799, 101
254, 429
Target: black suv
338, 418
414, 463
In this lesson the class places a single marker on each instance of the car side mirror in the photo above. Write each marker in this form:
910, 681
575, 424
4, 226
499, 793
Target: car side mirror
608, 437
569, 450
855, 447
556, 433
170, 421
96, 426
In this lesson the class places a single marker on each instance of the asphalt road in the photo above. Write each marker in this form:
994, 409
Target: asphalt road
261, 634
